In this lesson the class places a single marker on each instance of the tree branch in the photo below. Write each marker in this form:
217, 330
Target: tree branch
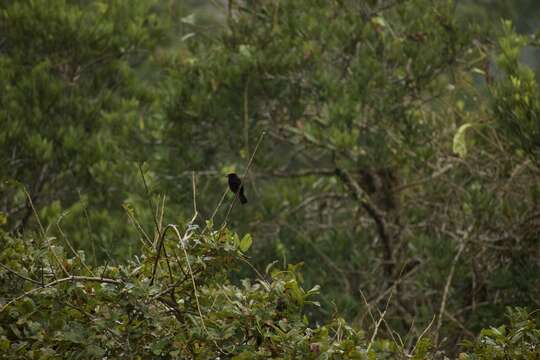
375, 214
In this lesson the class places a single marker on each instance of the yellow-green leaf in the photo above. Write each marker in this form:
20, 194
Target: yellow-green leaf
460, 144
245, 243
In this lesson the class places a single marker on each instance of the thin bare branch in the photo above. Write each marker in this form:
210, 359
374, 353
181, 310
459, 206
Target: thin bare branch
183, 242
381, 318
19, 275
60, 281
447, 286
149, 199
68, 243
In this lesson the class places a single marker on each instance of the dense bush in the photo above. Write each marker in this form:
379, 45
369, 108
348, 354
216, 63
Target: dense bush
55, 305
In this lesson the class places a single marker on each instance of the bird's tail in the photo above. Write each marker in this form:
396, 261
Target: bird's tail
242, 197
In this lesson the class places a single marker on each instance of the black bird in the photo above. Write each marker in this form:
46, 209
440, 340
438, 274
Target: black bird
235, 184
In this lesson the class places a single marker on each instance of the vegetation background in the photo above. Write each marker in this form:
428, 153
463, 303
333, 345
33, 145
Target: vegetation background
390, 151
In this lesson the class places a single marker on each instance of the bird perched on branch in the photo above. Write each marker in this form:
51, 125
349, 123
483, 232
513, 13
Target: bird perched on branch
235, 184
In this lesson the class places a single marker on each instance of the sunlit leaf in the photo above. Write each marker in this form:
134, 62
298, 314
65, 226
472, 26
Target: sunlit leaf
460, 143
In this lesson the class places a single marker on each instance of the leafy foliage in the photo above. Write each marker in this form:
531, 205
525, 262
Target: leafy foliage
72, 109
519, 340
184, 306
517, 105
60, 306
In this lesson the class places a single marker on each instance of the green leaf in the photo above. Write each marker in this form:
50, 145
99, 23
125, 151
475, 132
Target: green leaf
378, 20
4, 343
244, 356
246, 51
245, 243
460, 144
190, 19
